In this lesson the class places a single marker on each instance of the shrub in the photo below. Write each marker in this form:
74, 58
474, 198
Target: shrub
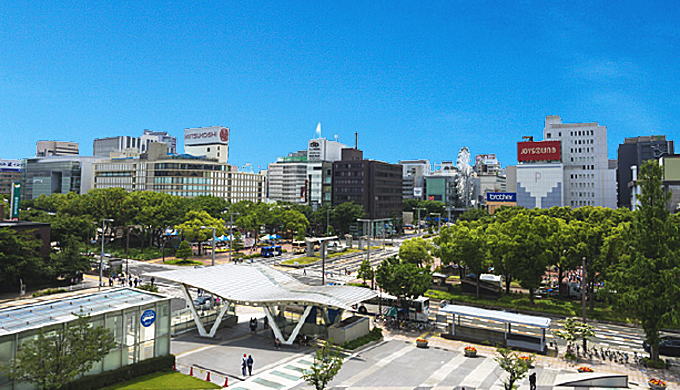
660, 364
148, 287
49, 291
92, 382
374, 335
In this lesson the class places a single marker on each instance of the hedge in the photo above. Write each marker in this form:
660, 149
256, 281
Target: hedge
107, 378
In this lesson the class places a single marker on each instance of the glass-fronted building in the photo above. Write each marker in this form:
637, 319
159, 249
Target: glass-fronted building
139, 321
56, 175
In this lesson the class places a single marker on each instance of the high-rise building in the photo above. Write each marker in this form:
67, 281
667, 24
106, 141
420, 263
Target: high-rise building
10, 172
56, 148
56, 175
375, 185
589, 176
632, 153
413, 178
125, 145
211, 142
487, 164
181, 175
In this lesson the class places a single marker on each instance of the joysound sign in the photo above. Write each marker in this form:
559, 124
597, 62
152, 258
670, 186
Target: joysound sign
147, 318
539, 151
501, 197
206, 135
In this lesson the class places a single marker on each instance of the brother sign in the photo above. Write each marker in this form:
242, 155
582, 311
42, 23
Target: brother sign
501, 197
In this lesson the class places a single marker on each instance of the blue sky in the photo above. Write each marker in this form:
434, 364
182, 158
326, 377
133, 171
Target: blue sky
415, 79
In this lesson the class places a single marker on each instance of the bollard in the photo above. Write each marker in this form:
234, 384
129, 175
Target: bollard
191, 371
226, 381
207, 378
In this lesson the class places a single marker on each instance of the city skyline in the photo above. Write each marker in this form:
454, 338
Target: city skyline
446, 77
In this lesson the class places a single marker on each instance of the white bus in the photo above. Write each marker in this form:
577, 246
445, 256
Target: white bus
418, 309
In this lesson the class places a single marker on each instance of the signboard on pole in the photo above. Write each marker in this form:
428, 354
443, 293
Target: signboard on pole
539, 151
501, 197
15, 201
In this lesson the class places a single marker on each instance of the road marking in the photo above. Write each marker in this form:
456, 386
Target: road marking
376, 367
440, 374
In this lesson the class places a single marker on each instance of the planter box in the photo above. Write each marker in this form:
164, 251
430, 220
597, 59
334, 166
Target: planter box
421, 344
471, 353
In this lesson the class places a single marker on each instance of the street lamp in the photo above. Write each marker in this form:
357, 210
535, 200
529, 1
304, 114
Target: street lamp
418, 210
583, 288
439, 220
231, 232
101, 256
213, 242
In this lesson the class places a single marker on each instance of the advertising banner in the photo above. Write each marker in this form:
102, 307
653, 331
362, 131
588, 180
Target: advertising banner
206, 135
539, 151
10, 165
15, 201
501, 197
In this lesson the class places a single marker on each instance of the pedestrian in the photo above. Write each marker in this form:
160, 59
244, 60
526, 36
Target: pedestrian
277, 343
244, 365
304, 272
250, 364
532, 381
130, 281
110, 282
153, 279
266, 322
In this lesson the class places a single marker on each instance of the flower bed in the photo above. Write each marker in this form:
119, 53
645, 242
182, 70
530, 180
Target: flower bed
528, 360
585, 369
421, 343
657, 384
470, 351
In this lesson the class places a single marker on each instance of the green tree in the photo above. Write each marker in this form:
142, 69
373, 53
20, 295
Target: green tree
473, 214
213, 205
574, 330
365, 271
294, 222
68, 262
464, 243
20, 258
345, 215
646, 277
416, 251
197, 227
403, 280
327, 363
516, 368
53, 359
184, 251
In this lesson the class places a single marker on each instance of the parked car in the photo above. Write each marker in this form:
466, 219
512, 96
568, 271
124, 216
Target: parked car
203, 302
668, 346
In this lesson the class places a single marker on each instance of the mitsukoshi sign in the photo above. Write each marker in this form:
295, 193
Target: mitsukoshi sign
539, 151
206, 135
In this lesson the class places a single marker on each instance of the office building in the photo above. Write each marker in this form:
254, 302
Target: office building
10, 172
56, 148
487, 164
181, 175
56, 175
375, 185
127, 146
511, 178
305, 176
589, 176
413, 178
632, 153
211, 142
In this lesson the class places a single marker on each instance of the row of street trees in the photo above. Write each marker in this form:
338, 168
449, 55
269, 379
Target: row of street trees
636, 254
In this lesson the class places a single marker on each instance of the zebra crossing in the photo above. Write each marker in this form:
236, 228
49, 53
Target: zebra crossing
382, 367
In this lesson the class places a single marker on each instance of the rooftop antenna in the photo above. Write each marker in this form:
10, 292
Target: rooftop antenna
356, 140
336, 137
318, 130
529, 138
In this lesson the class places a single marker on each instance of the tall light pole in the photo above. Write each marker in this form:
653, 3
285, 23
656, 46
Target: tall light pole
231, 232
101, 255
583, 288
418, 210
213, 242
328, 219
439, 220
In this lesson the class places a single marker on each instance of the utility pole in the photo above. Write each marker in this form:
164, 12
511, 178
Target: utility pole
448, 209
418, 210
328, 219
439, 220
213, 242
231, 233
101, 255
583, 288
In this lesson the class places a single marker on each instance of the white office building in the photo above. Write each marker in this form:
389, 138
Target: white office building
125, 145
589, 176
413, 178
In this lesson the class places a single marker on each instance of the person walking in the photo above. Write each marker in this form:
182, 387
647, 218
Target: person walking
244, 365
532, 381
265, 322
249, 362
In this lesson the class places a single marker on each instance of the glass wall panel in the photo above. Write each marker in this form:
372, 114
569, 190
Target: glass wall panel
112, 360
146, 350
131, 327
114, 323
162, 346
6, 354
163, 326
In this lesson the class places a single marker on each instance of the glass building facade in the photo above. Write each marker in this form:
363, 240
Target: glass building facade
125, 312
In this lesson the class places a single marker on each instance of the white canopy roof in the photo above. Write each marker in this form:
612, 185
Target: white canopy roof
497, 315
259, 285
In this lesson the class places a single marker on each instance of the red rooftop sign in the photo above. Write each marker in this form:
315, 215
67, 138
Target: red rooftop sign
539, 151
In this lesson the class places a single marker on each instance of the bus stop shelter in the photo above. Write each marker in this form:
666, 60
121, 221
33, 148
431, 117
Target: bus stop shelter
263, 286
498, 329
